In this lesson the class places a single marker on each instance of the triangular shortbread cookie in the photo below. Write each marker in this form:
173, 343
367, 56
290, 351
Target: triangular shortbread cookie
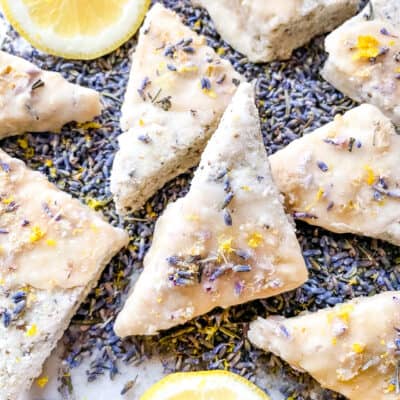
351, 348
364, 63
34, 100
52, 252
178, 89
227, 242
268, 30
344, 176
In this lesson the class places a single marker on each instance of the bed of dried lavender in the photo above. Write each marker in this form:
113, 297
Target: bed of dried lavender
293, 100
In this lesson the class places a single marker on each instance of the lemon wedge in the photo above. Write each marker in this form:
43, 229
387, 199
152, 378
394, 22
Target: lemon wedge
206, 385
76, 29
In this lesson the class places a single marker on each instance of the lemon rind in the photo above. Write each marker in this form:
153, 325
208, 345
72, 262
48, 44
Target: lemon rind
73, 55
179, 376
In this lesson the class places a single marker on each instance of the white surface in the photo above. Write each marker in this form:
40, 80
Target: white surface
103, 388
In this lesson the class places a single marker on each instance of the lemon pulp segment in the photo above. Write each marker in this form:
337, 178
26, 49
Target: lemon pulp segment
77, 29
72, 17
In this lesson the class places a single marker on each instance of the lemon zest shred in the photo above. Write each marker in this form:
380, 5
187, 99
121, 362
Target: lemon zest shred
358, 348
36, 234
255, 240
225, 245
7, 200
42, 381
23, 143
367, 47
370, 178
31, 331
89, 125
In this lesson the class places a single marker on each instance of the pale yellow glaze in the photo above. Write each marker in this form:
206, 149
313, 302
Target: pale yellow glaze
163, 29
47, 238
46, 108
374, 81
342, 198
349, 348
195, 225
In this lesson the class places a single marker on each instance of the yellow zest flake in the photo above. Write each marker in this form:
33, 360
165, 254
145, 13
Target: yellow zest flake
398, 70
344, 312
89, 125
96, 204
192, 217
225, 245
197, 24
53, 172
36, 234
2, 281
210, 93
51, 242
150, 212
353, 281
132, 247
255, 240
188, 68
42, 381
23, 143
391, 42
159, 300
383, 342
334, 341
367, 47
390, 389
210, 70
358, 347
370, 178
319, 194
141, 122
29, 152
246, 188
31, 331
8, 200
220, 51
48, 163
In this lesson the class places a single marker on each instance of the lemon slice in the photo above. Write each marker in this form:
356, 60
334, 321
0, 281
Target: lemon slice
207, 385
77, 29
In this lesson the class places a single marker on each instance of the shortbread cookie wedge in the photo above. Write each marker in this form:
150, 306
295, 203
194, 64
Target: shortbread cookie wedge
270, 30
344, 177
364, 59
177, 91
34, 100
352, 348
227, 242
52, 252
